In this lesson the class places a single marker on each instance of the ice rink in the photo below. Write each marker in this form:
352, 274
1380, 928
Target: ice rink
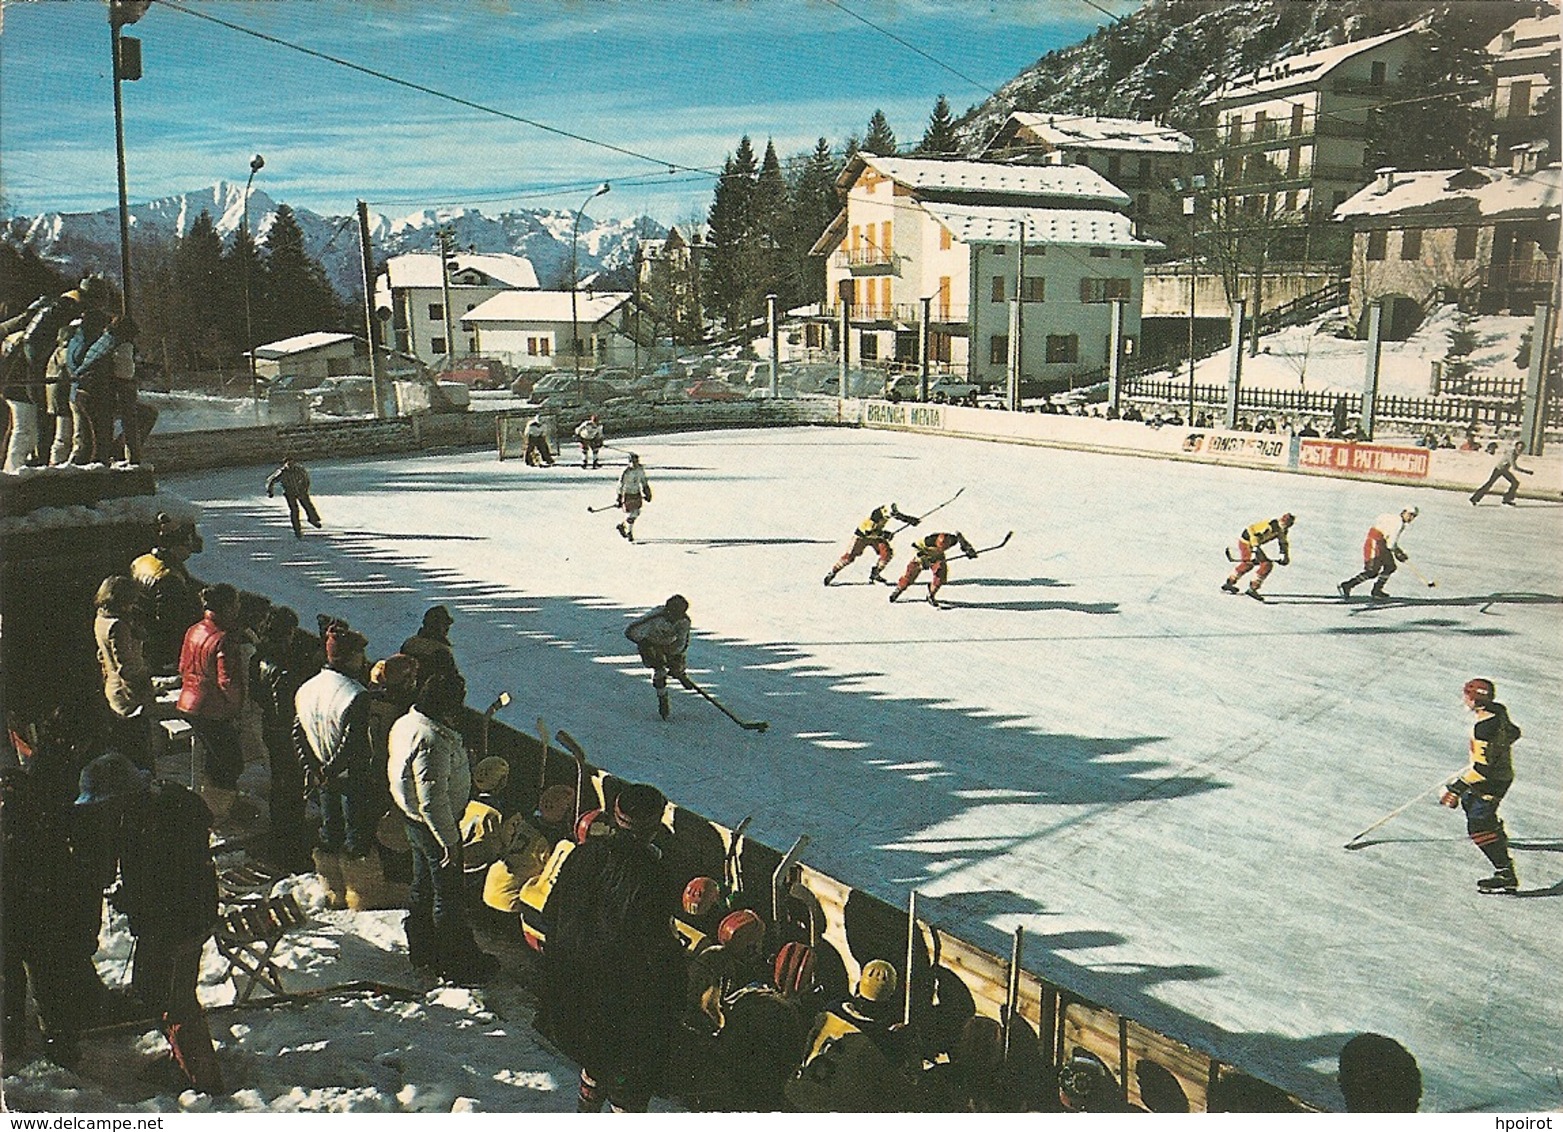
1154, 778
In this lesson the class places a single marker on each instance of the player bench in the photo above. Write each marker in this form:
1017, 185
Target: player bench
248, 935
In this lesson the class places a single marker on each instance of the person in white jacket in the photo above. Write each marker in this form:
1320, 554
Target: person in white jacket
589, 434
1381, 551
431, 782
634, 489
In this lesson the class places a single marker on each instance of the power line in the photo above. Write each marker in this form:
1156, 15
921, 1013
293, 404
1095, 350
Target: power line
671, 166
912, 47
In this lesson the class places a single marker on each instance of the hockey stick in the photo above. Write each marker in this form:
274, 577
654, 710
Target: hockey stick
1426, 581
609, 507
567, 741
930, 511
542, 761
779, 877
501, 700
1003, 542
1396, 812
759, 725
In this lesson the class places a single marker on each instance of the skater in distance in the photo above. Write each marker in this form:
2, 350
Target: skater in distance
662, 638
1251, 553
871, 533
634, 489
930, 552
293, 478
589, 434
1481, 786
536, 451
1381, 552
1508, 463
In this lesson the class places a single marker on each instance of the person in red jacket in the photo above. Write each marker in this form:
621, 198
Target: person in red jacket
213, 690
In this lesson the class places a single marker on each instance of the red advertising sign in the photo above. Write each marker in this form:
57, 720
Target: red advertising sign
1346, 458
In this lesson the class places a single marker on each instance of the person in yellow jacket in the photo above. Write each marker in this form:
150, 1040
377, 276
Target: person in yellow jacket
871, 533
1251, 553
931, 551
1481, 786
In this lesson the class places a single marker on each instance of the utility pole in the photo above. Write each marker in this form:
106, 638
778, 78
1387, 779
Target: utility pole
125, 55
371, 324
927, 301
775, 337
447, 236
1370, 372
1235, 374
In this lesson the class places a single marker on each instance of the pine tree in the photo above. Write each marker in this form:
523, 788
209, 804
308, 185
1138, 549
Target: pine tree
939, 137
814, 202
881, 139
773, 222
298, 298
731, 226
200, 322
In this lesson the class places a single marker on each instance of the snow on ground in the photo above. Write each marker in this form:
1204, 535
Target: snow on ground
1153, 778
1310, 357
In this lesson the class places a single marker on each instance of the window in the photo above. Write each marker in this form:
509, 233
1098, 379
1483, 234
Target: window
1033, 289
1234, 129
884, 236
998, 349
857, 237
1063, 348
944, 239
1411, 243
539, 347
998, 289
1519, 100
1378, 75
1377, 243
1103, 290
1465, 243
436, 312
1294, 161
1145, 168
939, 346
884, 295
1001, 249
1297, 119
868, 347
1291, 200
942, 300
1100, 253
437, 345
1114, 164
1261, 125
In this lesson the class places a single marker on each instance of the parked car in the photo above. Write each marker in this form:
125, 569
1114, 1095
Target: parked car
947, 390
570, 393
479, 373
710, 389
350, 395
458, 395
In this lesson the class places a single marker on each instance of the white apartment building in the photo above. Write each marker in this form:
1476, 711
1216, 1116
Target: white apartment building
411, 295
966, 240
531, 330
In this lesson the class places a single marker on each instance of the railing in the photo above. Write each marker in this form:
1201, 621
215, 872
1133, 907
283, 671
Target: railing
953, 314
869, 258
1524, 273
1304, 307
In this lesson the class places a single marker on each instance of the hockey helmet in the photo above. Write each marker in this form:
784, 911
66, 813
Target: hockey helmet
742, 931
490, 774
677, 605
793, 972
556, 805
1412, 511
1480, 691
878, 981
701, 896
1084, 1083
587, 825
1287, 519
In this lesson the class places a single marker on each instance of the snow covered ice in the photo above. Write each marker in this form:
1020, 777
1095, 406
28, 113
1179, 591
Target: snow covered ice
1153, 778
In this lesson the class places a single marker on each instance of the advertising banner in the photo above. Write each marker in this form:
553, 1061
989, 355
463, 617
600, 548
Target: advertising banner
1239, 448
1343, 457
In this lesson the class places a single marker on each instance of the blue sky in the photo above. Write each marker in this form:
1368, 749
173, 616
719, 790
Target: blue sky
677, 80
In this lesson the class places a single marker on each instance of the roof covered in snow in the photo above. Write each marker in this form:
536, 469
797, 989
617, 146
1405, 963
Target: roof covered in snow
301, 343
1475, 193
1078, 131
422, 269
547, 306
1535, 37
986, 223
1301, 70
987, 178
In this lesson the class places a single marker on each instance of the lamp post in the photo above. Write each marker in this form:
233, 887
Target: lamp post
1196, 182
575, 325
257, 163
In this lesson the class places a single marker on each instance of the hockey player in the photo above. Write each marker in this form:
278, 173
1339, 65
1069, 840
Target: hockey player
536, 451
1381, 551
1482, 785
634, 489
1251, 555
589, 434
1508, 463
293, 478
871, 533
930, 551
662, 637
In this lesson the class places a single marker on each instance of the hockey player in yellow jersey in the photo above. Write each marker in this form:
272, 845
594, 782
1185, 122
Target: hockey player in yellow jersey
1252, 556
871, 532
1481, 786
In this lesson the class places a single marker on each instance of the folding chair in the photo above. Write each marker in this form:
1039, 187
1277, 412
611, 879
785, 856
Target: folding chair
247, 937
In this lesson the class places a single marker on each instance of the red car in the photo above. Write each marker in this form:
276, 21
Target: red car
710, 389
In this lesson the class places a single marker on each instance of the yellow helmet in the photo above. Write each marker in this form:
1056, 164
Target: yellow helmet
878, 981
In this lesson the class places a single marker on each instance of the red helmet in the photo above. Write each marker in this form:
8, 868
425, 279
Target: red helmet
701, 896
742, 931
587, 826
794, 969
1480, 691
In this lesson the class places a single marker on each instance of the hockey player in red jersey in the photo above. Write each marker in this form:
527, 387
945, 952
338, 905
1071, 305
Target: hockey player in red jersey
930, 552
1381, 550
1252, 556
871, 532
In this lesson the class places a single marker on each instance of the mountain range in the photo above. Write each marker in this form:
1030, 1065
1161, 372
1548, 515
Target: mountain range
89, 241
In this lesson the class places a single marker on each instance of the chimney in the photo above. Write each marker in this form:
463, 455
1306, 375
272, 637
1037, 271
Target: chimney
1385, 179
1524, 158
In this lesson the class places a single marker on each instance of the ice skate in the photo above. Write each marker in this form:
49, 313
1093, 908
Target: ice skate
664, 707
1344, 589
1228, 588
623, 530
1502, 881
1255, 594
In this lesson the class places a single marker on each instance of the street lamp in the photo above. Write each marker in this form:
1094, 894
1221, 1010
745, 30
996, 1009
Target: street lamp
575, 328
257, 163
1195, 184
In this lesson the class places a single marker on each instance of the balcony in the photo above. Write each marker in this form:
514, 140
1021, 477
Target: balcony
869, 262
1538, 272
947, 317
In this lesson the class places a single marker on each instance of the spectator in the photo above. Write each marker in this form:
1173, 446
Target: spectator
103, 372
331, 736
168, 892
1378, 1074
1308, 429
856, 1055
172, 595
430, 645
16, 388
760, 1043
211, 695
293, 478
430, 782
127, 682
86, 332
287, 657
57, 400
31, 338
614, 978
393, 686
